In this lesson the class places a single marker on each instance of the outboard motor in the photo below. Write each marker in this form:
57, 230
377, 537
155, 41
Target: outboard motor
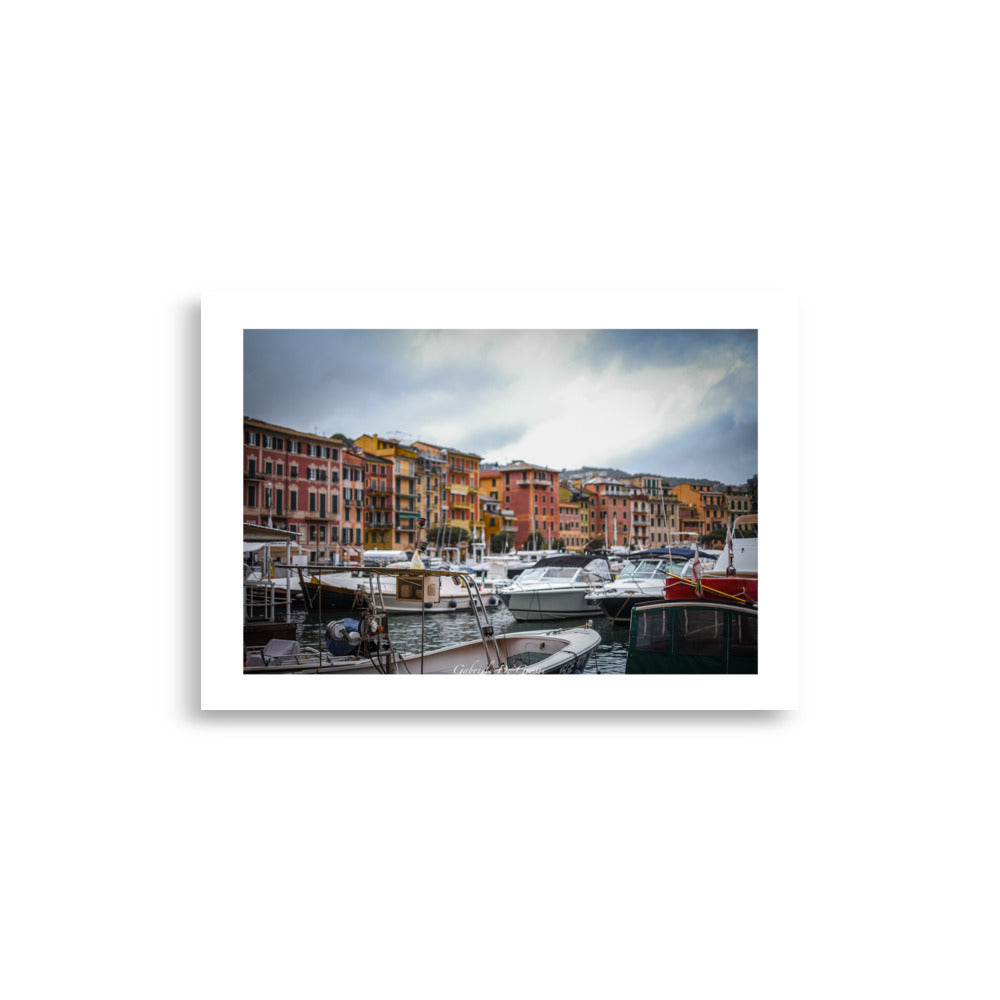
343, 637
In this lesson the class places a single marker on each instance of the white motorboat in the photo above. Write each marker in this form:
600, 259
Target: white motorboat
642, 579
555, 588
364, 645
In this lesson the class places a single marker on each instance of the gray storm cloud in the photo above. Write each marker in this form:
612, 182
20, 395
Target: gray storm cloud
673, 402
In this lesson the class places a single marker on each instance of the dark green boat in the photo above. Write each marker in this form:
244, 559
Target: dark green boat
692, 637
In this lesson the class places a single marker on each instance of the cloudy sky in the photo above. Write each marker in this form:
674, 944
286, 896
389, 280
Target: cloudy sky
673, 402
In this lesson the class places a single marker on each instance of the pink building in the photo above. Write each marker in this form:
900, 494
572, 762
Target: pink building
292, 479
613, 505
532, 493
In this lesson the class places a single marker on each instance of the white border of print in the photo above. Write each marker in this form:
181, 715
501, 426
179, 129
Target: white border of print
225, 315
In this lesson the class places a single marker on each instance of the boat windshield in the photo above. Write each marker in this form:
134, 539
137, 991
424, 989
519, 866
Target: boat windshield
650, 569
688, 570
537, 573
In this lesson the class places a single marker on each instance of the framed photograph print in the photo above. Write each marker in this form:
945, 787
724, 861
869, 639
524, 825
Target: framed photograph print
483, 500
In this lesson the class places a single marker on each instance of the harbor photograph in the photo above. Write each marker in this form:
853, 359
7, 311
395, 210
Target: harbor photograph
500, 501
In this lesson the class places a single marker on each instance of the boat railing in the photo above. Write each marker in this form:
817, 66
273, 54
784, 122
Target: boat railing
494, 660
378, 617
486, 630
259, 601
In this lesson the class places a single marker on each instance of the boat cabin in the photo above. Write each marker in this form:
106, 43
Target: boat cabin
565, 570
692, 637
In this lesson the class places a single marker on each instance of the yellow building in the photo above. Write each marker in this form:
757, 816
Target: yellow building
406, 513
432, 473
495, 516
462, 496
740, 503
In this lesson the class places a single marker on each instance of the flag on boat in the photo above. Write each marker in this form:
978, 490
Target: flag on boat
415, 562
729, 545
696, 571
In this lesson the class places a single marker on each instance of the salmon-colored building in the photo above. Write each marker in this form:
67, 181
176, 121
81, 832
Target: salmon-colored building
574, 519
352, 495
612, 509
292, 480
531, 492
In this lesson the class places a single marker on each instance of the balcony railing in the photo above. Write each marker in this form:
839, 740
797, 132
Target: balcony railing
316, 515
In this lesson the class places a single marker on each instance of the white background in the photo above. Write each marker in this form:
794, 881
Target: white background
844, 155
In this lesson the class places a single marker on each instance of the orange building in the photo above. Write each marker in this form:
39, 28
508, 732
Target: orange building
707, 503
496, 517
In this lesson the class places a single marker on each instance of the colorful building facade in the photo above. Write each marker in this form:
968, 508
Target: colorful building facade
292, 480
382, 493
379, 502
531, 492
406, 513
352, 497
612, 510
497, 519
661, 510
462, 498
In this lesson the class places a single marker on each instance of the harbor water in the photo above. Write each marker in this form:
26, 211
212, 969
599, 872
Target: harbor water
448, 628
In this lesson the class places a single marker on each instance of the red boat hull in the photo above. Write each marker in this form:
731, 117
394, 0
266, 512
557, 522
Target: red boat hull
738, 589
